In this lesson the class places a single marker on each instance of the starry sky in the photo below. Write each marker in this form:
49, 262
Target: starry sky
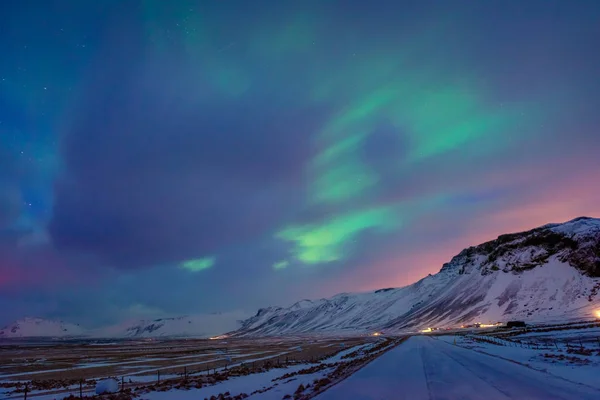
166, 158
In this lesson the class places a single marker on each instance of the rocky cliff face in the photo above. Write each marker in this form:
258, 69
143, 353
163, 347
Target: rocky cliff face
545, 274
576, 243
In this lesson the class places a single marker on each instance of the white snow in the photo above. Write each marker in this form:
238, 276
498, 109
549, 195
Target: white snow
577, 227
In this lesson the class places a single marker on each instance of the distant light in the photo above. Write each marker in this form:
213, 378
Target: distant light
377, 334
427, 330
597, 312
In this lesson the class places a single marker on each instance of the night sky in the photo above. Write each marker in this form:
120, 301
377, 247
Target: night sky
175, 157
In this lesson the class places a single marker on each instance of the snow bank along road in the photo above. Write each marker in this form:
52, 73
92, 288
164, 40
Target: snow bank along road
430, 369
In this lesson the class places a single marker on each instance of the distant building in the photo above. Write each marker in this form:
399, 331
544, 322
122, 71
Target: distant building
515, 324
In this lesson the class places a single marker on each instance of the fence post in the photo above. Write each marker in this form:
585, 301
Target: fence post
122, 384
80, 388
158, 376
26, 390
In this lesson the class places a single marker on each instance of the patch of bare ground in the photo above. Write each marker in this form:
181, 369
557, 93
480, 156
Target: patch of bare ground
574, 356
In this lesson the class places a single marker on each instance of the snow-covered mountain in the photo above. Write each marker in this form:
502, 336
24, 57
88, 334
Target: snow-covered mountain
198, 326
546, 274
37, 327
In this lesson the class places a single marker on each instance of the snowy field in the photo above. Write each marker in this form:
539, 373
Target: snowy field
197, 368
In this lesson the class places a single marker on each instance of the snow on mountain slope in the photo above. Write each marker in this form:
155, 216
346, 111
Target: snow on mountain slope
546, 274
37, 327
199, 326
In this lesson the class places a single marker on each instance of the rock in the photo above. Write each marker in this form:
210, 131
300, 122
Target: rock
107, 386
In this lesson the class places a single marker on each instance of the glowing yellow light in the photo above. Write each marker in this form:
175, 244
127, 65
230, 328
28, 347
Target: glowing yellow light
597, 312
377, 334
218, 337
427, 330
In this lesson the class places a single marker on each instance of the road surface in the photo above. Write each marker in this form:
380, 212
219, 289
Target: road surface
430, 369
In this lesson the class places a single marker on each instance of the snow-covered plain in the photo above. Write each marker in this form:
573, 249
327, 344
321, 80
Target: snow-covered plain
426, 368
267, 385
219, 364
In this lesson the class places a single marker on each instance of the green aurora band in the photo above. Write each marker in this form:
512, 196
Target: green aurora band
199, 264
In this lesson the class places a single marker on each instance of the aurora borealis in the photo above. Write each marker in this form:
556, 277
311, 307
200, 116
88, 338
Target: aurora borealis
163, 158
